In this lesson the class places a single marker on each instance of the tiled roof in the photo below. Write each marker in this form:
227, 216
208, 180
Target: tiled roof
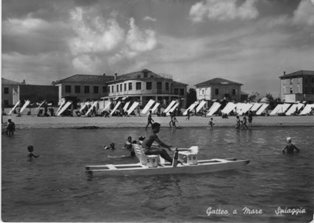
9, 82
179, 83
86, 78
217, 81
299, 73
143, 74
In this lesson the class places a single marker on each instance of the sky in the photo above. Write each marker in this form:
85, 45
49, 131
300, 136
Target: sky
248, 41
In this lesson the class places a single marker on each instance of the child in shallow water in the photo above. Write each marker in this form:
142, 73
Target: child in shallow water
31, 155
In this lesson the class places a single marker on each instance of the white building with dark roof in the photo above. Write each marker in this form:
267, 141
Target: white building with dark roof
218, 89
145, 85
297, 86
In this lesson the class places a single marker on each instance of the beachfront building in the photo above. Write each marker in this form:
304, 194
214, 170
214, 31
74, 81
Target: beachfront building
297, 86
144, 85
9, 91
13, 91
218, 89
83, 87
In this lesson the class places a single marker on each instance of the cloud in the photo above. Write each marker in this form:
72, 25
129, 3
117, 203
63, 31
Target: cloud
101, 43
140, 41
223, 10
33, 35
304, 14
94, 34
42, 68
148, 18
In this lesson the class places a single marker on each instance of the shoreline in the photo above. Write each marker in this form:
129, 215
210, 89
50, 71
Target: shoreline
26, 122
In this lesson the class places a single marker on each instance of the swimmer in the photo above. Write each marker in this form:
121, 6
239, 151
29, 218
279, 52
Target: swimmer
110, 147
30, 155
289, 149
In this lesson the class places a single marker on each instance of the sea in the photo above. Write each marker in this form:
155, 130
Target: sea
54, 187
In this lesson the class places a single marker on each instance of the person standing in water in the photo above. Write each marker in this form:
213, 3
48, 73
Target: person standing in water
31, 155
211, 123
289, 148
149, 119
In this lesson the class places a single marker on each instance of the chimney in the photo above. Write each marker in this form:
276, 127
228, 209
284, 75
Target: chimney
23, 82
104, 74
284, 73
115, 76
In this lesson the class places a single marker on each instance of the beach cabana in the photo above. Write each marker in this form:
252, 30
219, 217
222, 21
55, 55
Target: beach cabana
242, 108
131, 109
255, 107
169, 106
27, 102
64, 107
107, 106
83, 105
61, 103
125, 107
91, 108
190, 108
228, 108
213, 108
307, 109
294, 108
262, 109
173, 108
14, 107
200, 106
115, 108
155, 107
279, 109
148, 106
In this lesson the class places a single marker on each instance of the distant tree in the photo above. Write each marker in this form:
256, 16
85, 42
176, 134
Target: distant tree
190, 97
253, 97
273, 102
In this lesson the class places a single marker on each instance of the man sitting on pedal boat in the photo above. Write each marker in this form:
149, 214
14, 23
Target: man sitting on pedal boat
150, 149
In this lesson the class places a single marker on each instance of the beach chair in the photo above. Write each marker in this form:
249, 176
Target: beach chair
149, 161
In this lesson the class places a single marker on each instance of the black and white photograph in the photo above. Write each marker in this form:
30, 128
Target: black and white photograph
157, 111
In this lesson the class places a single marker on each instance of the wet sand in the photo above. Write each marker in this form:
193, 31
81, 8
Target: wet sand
29, 121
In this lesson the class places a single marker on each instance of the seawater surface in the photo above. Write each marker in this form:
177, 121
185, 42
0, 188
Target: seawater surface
54, 187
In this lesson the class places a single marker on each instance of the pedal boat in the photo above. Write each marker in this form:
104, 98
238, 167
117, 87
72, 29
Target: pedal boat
151, 165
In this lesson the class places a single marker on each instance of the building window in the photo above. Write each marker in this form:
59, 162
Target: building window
176, 91
291, 91
216, 91
6, 103
159, 85
86, 89
138, 85
181, 91
203, 91
120, 87
96, 89
125, 87
112, 89
130, 86
77, 89
148, 85
6, 90
104, 89
167, 86
233, 91
67, 88
117, 87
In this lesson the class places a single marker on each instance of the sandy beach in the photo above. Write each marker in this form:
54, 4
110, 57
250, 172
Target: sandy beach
26, 121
